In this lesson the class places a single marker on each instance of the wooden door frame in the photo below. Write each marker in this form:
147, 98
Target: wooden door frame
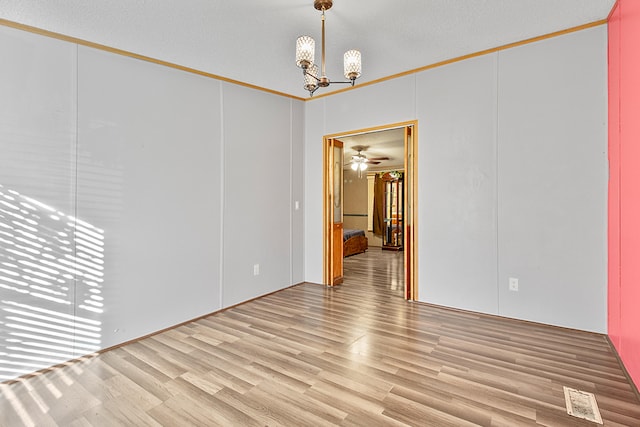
329, 221
410, 235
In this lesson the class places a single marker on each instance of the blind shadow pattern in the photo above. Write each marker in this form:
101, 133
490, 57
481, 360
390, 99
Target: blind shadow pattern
51, 285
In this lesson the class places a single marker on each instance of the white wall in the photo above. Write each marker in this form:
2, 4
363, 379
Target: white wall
457, 222
152, 192
148, 175
297, 179
258, 202
37, 203
512, 177
552, 180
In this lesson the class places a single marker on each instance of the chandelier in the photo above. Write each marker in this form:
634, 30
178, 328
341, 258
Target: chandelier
305, 58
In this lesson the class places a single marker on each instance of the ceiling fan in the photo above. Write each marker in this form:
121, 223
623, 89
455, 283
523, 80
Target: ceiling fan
359, 162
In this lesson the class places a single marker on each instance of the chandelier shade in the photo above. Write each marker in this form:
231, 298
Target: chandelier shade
310, 81
305, 51
352, 64
315, 78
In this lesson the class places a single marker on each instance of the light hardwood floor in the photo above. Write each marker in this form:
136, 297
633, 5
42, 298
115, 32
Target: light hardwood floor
355, 355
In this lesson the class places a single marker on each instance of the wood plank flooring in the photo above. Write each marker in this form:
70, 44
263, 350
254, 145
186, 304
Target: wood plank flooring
355, 355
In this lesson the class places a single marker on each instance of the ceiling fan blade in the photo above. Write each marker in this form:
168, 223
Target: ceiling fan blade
378, 158
373, 163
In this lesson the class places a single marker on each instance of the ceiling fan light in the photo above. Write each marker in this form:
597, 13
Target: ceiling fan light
305, 51
354, 166
352, 64
363, 166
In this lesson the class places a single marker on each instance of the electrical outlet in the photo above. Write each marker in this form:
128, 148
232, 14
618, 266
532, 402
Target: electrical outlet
256, 269
513, 284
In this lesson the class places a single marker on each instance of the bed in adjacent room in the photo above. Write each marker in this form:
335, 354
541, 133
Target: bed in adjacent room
355, 242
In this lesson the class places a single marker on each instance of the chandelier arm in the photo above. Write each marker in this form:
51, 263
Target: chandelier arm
350, 82
306, 73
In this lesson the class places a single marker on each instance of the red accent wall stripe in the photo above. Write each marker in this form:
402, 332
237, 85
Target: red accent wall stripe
624, 184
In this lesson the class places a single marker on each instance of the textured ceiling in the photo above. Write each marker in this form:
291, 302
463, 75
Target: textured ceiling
253, 41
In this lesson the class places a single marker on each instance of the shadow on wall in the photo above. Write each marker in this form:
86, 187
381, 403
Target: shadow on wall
51, 285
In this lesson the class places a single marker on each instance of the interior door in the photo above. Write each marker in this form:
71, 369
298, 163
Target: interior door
333, 183
333, 206
409, 214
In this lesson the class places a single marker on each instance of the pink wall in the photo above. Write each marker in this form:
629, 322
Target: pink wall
624, 183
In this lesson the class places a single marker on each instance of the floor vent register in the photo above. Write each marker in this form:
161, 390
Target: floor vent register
582, 404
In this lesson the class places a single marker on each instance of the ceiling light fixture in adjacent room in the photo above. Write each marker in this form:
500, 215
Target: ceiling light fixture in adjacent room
305, 58
359, 163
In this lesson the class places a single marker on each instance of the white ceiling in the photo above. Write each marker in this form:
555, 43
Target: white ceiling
254, 41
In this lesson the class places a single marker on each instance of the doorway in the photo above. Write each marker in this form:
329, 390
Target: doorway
337, 153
